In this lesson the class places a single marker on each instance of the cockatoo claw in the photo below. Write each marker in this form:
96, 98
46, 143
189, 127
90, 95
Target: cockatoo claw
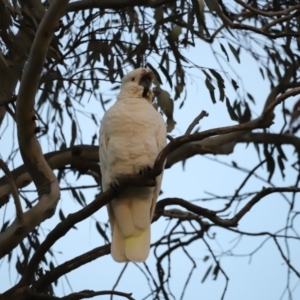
143, 172
115, 185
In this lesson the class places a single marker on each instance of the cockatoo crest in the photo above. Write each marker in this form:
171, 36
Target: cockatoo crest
137, 84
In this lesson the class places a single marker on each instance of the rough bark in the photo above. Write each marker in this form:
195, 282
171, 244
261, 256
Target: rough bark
38, 168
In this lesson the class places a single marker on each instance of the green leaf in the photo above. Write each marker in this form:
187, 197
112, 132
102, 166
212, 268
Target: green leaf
74, 133
216, 271
234, 52
102, 232
209, 85
281, 153
211, 89
219, 78
281, 165
234, 164
76, 196
246, 117
270, 162
206, 258
231, 111
222, 94
250, 97
206, 273
155, 72
199, 14
224, 51
212, 97
234, 84
61, 215
220, 82
262, 73
164, 70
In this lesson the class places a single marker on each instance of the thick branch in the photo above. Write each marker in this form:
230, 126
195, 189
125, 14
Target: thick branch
232, 22
62, 228
42, 175
59, 231
262, 122
113, 4
81, 157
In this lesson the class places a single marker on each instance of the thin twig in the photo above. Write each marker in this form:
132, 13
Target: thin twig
91, 294
53, 275
285, 258
196, 121
220, 268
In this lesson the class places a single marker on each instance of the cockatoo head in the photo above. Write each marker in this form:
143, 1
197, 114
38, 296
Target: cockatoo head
137, 84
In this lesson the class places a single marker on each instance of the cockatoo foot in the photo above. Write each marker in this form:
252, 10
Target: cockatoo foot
144, 170
115, 185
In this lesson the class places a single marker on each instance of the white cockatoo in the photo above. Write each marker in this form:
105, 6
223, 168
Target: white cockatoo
132, 134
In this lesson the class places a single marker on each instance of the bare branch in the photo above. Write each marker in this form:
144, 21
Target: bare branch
91, 294
285, 258
196, 121
261, 122
39, 170
259, 196
212, 215
69, 266
235, 22
80, 157
268, 13
271, 138
59, 231
113, 4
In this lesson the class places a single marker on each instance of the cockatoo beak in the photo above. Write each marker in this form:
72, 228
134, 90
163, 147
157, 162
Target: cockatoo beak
146, 81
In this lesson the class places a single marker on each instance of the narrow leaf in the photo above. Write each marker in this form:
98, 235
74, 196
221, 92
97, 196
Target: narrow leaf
206, 274
231, 111
224, 51
235, 53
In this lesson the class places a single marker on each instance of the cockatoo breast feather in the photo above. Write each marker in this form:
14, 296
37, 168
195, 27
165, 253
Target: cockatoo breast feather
131, 130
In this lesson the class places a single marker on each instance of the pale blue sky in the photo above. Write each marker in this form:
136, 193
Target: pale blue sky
264, 278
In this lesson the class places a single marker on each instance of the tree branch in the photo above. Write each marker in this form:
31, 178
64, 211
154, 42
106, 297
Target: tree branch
196, 121
212, 215
59, 231
30, 149
69, 266
80, 157
91, 294
18, 206
262, 122
232, 22
114, 4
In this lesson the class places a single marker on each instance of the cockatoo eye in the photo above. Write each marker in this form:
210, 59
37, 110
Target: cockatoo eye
132, 79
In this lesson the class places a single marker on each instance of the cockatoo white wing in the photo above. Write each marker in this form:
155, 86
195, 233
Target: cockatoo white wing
132, 135
118, 243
